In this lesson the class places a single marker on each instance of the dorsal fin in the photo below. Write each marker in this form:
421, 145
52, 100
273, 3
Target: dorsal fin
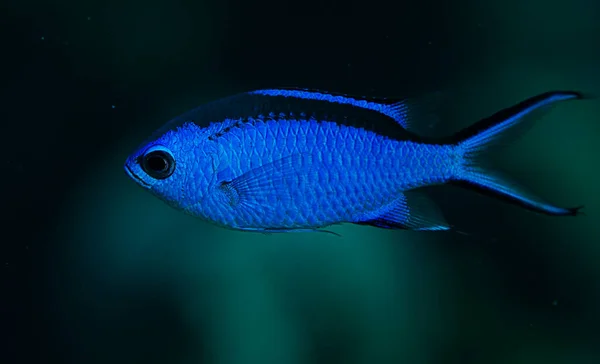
414, 114
398, 119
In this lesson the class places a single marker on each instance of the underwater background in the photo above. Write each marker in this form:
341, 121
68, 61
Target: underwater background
96, 270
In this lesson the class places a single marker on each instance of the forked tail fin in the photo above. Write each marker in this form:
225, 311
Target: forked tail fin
505, 125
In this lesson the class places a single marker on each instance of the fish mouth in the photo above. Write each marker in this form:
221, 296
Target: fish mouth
135, 176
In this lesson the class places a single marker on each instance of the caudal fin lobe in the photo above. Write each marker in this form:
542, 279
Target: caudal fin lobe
506, 125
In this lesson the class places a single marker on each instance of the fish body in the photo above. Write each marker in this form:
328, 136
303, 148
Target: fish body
285, 160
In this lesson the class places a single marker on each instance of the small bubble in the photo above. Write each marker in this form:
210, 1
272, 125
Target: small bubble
112, 106
555, 303
89, 18
42, 38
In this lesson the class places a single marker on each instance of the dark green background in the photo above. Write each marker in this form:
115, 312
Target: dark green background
95, 270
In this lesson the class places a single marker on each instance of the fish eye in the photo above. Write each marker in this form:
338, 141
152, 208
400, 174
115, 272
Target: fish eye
158, 162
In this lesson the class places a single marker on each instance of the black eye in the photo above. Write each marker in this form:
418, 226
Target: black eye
158, 164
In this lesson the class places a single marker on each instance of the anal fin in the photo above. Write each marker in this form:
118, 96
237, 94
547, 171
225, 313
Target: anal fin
412, 210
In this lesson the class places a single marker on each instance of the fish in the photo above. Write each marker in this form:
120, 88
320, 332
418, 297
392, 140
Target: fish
301, 160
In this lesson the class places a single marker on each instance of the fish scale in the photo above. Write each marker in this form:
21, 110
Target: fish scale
346, 171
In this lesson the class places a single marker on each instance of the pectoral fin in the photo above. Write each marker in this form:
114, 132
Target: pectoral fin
279, 182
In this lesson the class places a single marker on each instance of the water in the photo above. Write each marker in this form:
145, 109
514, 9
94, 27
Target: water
96, 270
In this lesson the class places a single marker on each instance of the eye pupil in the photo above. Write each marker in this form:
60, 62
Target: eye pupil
158, 164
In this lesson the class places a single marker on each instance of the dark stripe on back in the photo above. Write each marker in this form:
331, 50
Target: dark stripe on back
249, 107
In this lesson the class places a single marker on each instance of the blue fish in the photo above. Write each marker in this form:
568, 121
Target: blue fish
290, 160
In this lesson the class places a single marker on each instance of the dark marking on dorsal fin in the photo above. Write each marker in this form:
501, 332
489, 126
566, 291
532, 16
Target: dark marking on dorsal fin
382, 116
408, 112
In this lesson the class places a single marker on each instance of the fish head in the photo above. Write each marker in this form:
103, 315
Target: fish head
173, 167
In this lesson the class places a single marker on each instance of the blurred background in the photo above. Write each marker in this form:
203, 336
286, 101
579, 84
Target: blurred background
96, 270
